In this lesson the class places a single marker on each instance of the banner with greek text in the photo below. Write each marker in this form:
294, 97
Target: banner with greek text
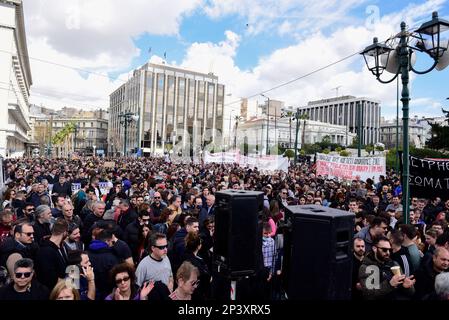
429, 178
350, 168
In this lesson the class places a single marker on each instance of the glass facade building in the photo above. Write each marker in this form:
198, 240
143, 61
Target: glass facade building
169, 101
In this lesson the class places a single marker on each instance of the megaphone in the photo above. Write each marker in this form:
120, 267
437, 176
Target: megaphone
443, 60
391, 62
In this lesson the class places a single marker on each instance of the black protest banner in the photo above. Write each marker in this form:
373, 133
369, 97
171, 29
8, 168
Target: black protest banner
429, 178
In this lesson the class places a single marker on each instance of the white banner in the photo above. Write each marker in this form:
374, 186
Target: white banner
265, 163
350, 168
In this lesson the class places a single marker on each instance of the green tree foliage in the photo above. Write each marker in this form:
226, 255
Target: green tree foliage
344, 153
439, 137
289, 153
380, 148
62, 134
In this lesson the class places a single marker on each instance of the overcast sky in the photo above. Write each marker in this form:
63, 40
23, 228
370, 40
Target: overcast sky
252, 45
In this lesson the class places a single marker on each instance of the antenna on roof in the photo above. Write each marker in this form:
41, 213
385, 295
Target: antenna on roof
336, 90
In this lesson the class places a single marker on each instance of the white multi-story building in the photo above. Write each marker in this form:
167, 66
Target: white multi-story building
283, 133
344, 111
418, 130
15, 80
169, 101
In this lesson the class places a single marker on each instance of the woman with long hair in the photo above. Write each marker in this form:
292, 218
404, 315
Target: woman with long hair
143, 238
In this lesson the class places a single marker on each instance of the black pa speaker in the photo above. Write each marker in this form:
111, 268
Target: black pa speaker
320, 253
238, 234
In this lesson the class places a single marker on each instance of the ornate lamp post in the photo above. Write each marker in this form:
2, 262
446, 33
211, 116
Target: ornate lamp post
125, 119
399, 61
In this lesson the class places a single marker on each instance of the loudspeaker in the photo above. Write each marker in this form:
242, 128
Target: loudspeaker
319, 249
238, 234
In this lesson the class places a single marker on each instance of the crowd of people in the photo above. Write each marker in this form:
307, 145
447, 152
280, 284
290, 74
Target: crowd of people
142, 229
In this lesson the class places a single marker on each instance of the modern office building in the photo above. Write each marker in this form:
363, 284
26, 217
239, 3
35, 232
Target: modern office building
170, 103
15, 80
343, 111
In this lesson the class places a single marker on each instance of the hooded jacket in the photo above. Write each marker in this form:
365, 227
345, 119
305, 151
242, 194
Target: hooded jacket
102, 259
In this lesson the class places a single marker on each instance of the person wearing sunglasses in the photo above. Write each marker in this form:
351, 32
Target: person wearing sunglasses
156, 266
376, 277
156, 208
187, 280
24, 287
124, 282
28, 211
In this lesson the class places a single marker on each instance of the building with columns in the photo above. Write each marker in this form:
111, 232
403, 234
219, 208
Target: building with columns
343, 111
169, 101
15, 80
282, 133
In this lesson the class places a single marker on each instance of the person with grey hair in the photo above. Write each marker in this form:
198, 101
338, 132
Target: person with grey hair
42, 222
442, 286
24, 287
97, 213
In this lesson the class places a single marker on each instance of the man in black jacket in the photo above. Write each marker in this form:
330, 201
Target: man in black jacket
23, 286
425, 275
127, 214
131, 235
22, 245
376, 278
62, 187
42, 223
51, 260
178, 249
207, 210
102, 259
96, 215
400, 254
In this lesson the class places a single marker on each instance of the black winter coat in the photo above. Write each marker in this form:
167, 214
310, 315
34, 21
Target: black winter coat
51, 262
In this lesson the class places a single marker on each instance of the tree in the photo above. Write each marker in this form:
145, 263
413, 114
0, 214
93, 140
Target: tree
369, 148
289, 153
380, 148
439, 137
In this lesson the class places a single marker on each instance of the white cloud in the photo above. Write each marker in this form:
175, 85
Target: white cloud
303, 16
98, 35
91, 35
309, 54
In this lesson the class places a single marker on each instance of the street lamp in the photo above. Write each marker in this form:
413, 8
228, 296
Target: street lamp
268, 121
286, 113
380, 57
75, 131
125, 119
